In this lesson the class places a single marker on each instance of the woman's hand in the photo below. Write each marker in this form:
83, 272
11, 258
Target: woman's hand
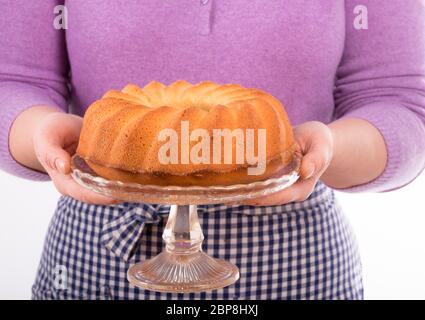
316, 143
55, 140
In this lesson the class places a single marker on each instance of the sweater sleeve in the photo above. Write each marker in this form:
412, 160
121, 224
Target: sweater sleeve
33, 69
381, 79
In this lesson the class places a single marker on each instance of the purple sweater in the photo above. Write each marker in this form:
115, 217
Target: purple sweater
308, 54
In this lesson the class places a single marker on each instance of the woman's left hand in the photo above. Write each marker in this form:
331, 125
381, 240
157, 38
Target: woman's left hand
316, 145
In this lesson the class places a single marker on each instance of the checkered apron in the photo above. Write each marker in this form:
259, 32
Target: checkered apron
303, 250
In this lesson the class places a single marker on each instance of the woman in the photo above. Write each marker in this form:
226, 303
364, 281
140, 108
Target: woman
352, 80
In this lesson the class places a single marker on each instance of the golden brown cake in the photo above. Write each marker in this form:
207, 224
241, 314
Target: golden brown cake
123, 134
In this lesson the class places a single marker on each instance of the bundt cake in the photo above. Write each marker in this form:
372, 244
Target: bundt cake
128, 135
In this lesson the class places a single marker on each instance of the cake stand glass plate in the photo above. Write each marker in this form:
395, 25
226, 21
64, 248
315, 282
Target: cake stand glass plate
182, 266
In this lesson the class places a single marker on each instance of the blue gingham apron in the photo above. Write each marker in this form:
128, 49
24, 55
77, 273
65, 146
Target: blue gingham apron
303, 250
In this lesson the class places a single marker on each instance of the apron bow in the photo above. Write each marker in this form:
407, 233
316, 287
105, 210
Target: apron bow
121, 235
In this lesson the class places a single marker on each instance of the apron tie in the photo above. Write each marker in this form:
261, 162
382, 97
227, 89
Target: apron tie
122, 234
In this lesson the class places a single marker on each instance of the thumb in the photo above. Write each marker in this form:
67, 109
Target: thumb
52, 156
316, 142
308, 168
58, 159
314, 162
62, 162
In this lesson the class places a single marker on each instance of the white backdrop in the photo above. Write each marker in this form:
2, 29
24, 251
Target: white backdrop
389, 227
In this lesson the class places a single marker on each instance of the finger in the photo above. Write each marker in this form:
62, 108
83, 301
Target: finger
307, 169
76, 191
67, 186
300, 191
284, 196
304, 189
314, 162
51, 155
55, 159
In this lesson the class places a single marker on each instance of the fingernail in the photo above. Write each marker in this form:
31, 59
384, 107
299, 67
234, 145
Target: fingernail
310, 173
60, 165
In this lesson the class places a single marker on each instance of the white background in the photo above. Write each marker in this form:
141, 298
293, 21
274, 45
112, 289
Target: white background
389, 227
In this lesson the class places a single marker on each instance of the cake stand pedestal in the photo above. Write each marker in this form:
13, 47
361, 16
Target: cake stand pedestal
182, 266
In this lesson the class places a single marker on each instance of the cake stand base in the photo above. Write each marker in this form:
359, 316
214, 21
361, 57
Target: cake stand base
183, 266
170, 272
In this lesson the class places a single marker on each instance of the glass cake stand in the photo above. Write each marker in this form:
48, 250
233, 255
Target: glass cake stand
182, 266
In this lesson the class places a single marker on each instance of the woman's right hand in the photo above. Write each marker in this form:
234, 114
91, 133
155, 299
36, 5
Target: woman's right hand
55, 140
